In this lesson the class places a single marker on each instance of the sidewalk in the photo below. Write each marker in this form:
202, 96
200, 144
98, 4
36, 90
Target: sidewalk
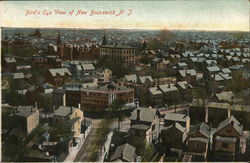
72, 155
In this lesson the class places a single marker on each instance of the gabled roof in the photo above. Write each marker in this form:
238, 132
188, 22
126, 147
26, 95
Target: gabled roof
131, 78
19, 75
155, 91
201, 127
213, 68
230, 121
10, 59
226, 70
184, 85
146, 114
60, 71
88, 66
185, 73
25, 111
176, 117
168, 88
144, 78
64, 111
177, 126
124, 152
225, 96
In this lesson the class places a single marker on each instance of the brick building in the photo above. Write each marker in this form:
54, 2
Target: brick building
127, 53
98, 98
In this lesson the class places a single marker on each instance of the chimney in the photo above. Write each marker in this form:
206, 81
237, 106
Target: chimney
36, 105
138, 115
168, 85
79, 106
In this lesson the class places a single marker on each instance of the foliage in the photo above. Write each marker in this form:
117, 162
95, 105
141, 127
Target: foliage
45, 102
145, 100
101, 134
157, 74
117, 104
143, 149
59, 130
145, 59
234, 83
155, 44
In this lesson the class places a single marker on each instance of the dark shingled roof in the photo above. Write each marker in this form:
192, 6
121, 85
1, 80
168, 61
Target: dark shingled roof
124, 152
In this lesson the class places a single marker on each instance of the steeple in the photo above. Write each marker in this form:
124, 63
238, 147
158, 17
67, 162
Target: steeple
58, 41
104, 40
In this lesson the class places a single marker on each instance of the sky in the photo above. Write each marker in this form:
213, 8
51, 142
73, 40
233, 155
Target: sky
212, 15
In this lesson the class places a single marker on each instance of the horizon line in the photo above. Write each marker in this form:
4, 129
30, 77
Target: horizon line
78, 28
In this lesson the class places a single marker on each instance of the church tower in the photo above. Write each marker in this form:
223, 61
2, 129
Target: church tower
58, 41
104, 40
59, 46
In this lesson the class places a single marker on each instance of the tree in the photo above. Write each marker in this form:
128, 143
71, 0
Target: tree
143, 149
144, 59
116, 106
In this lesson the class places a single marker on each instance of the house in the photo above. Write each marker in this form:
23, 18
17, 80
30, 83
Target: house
27, 118
131, 78
185, 89
181, 119
227, 96
198, 141
174, 58
104, 76
59, 76
9, 64
88, 69
156, 96
124, 153
145, 123
182, 66
212, 70
163, 65
59, 97
70, 115
188, 75
173, 137
145, 80
227, 139
170, 92
245, 79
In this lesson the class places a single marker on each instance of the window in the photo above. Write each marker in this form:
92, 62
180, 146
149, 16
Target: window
224, 145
